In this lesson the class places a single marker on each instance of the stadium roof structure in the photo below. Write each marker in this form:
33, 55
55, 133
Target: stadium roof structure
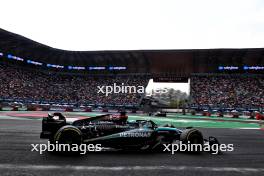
180, 62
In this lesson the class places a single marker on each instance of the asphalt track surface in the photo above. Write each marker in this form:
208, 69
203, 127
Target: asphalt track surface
16, 158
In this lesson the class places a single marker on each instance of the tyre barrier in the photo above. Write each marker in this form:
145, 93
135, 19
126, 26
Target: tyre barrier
31, 108
235, 116
15, 108
259, 116
88, 110
206, 114
45, 108
220, 114
69, 109
134, 111
105, 110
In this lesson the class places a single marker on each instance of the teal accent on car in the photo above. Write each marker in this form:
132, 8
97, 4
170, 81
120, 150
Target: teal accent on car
166, 129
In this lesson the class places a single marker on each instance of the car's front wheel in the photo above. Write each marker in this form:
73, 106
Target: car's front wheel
192, 136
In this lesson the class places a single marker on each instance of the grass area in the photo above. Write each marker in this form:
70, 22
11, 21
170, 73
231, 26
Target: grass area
178, 122
207, 117
174, 119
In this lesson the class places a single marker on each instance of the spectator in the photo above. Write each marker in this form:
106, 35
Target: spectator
228, 91
22, 84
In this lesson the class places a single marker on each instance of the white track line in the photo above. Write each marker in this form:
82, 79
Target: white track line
248, 128
131, 168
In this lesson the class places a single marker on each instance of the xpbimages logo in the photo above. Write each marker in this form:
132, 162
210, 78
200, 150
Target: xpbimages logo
82, 148
117, 89
183, 147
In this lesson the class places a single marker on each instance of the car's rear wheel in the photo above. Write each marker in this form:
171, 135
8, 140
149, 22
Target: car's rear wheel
69, 138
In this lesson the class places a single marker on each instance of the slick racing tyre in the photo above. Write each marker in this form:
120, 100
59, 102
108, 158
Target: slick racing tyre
192, 136
70, 136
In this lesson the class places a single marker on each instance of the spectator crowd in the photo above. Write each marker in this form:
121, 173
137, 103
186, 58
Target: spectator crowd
24, 84
228, 91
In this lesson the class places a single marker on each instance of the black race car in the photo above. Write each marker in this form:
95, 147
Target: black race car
117, 132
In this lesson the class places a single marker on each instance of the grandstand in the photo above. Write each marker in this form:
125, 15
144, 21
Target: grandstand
31, 86
227, 91
220, 78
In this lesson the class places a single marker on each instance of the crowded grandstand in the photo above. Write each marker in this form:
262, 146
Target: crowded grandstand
231, 91
220, 79
22, 85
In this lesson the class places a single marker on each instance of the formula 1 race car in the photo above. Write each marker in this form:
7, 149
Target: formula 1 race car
117, 134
